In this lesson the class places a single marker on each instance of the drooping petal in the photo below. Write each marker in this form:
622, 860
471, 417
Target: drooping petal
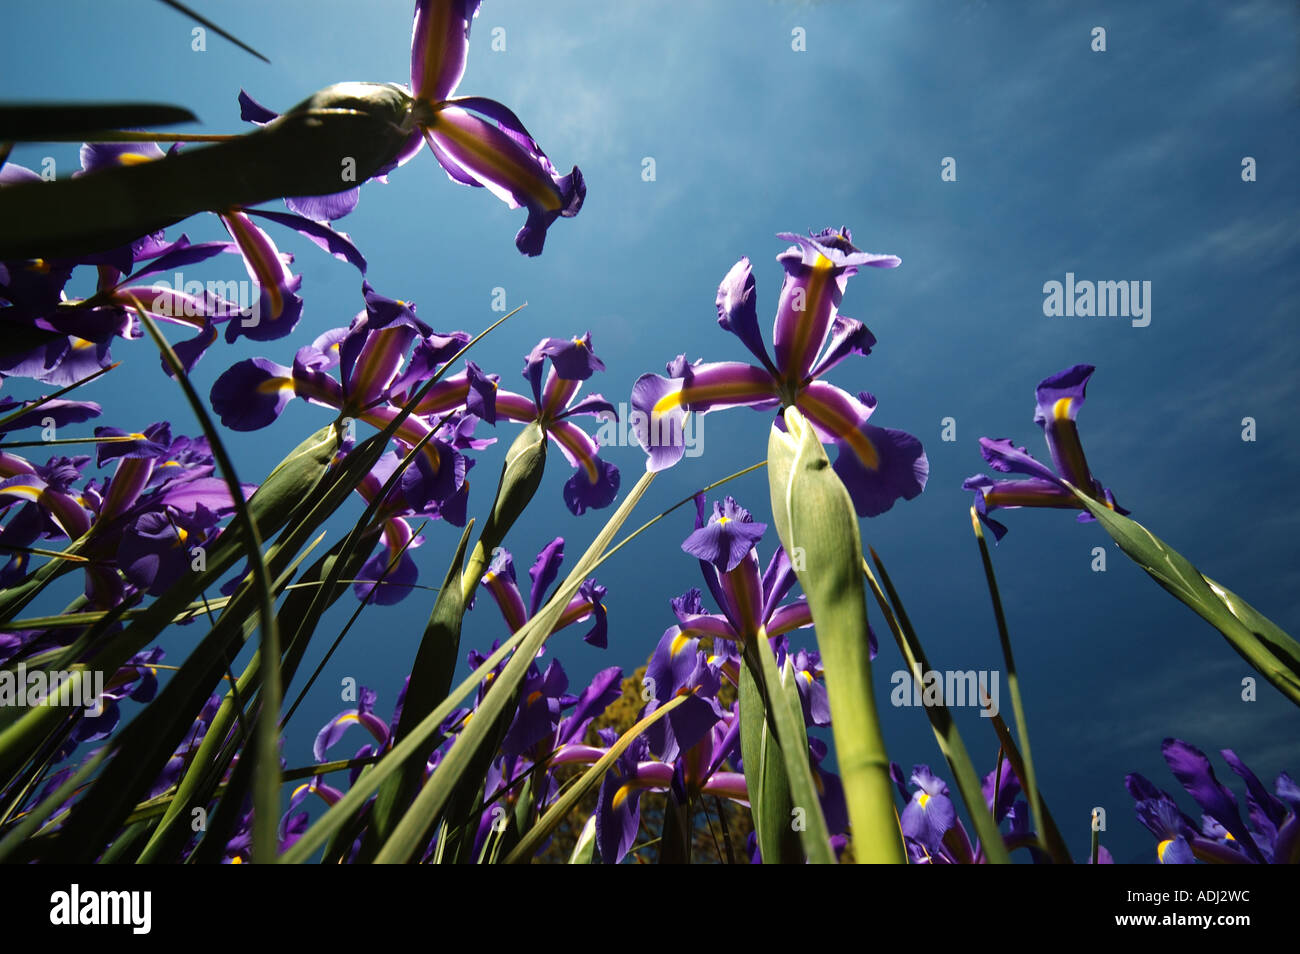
251, 393
660, 433
582, 493
267, 269
500, 582
326, 208
507, 161
728, 537
317, 232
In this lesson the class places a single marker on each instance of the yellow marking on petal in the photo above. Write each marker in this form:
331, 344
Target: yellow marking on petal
26, 492
722, 520
134, 159
434, 43
562, 435
534, 696
269, 273
509, 170
1160, 849
274, 385
678, 644
620, 796
39, 266
81, 344
707, 392
845, 429
668, 402
236, 860
1061, 409
814, 292
922, 798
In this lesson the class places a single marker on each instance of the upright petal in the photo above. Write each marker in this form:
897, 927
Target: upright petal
439, 46
507, 161
738, 310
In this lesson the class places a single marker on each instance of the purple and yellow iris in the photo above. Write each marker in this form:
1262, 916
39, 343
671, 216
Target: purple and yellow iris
1059, 399
478, 141
552, 408
810, 337
500, 582
933, 833
750, 601
1223, 836
370, 355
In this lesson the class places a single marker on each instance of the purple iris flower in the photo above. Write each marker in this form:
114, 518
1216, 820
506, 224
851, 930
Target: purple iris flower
1059, 398
1223, 836
686, 774
877, 465
369, 356
587, 603
136, 680
812, 691
935, 835
40, 500
363, 715
553, 407
279, 306
477, 141
750, 601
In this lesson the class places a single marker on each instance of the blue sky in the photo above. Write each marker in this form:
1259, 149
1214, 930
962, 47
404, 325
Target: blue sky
1115, 165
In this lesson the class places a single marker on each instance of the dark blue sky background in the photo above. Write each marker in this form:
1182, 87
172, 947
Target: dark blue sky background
1122, 165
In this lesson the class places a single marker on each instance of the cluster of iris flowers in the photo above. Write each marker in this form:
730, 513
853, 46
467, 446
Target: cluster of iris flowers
142, 528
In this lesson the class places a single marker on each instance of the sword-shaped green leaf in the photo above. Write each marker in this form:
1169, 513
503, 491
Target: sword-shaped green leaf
819, 529
1262, 643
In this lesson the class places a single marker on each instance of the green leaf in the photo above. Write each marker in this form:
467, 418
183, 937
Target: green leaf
768, 786
431, 678
428, 804
781, 696
521, 475
1051, 839
584, 849
944, 727
1263, 644
198, 18
213, 755
338, 816
819, 529
153, 735
50, 122
294, 155
365, 786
